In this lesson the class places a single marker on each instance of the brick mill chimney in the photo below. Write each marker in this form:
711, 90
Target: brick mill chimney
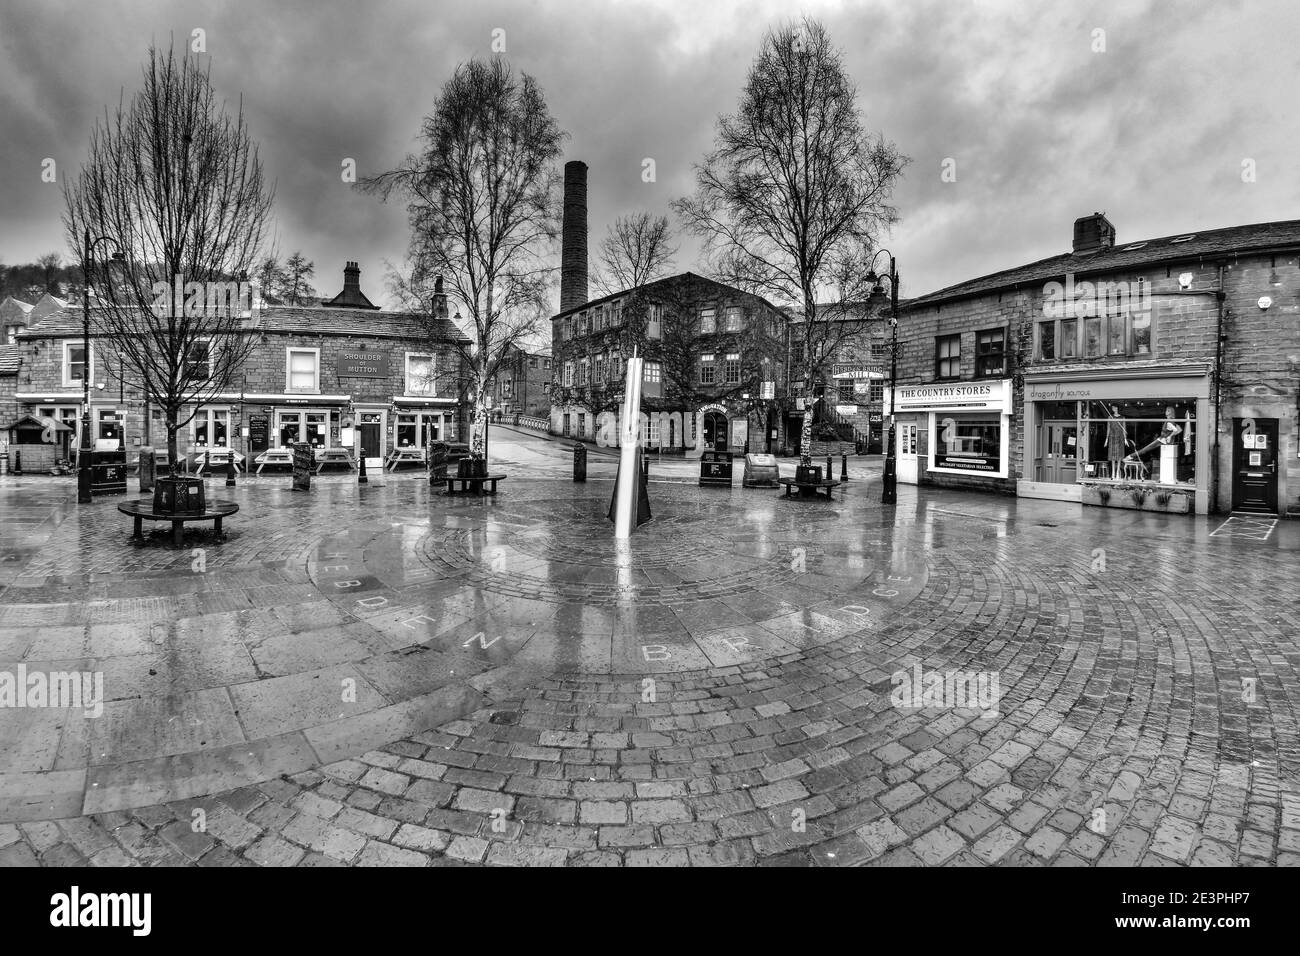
573, 240
1093, 234
351, 297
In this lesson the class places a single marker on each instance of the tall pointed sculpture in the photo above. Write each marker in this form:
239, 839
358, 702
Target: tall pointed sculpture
630, 506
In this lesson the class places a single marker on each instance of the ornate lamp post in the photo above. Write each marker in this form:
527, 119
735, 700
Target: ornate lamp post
83, 454
889, 486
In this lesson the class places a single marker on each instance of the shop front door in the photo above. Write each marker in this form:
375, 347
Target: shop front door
371, 435
1058, 461
1254, 461
906, 454
715, 430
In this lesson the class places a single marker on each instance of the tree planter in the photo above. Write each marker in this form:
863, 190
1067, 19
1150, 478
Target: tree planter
179, 496
1149, 499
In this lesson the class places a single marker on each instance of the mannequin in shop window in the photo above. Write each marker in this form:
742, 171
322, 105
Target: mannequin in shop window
1116, 439
1169, 433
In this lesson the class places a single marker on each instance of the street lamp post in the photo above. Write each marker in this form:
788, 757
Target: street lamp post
889, 485
83, 454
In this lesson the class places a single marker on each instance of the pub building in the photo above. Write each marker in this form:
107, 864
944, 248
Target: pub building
314, 373
1161, 374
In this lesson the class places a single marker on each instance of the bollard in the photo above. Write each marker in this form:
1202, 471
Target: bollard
645, 469
579, 462
830, 468
230, 470
844, 467
361, 471
18, 463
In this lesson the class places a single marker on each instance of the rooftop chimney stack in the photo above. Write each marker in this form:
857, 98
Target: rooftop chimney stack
573, 240
1093, 234
351, 297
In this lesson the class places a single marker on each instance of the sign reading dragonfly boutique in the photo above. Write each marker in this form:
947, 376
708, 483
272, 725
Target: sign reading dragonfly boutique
968, 424
363, 364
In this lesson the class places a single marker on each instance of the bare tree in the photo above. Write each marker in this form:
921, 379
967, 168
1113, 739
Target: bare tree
297, 270
481, 200
49, 266
636, 249
270, 278
795, 191
175, 181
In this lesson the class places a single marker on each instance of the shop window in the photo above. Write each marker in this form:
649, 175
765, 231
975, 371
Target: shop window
947, 356
655, 326
1126, 439
991, 353
733, 319
1047, 340
708, 321
302, 370
708, 371
970, 443
212, 428
74, 363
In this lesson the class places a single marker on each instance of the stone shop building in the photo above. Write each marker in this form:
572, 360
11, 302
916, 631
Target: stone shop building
313, 372
1163, 373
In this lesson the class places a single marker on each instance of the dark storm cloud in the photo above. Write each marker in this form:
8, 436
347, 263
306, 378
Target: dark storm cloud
1042, 129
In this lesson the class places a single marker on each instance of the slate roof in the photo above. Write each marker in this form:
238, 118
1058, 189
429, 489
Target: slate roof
1205, 244
305, 320
10, 359
681, 276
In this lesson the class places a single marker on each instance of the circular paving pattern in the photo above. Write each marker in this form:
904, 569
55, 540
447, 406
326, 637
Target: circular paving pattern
1146, 707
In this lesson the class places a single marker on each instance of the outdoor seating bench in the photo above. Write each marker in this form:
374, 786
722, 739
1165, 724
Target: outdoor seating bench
142, 510
808, 488
473, 485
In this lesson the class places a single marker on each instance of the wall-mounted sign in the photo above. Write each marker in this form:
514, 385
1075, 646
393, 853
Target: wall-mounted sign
955, 395
846, 409
363, 364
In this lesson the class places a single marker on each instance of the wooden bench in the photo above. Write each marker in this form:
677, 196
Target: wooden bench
808, 489
476, 484
142, 510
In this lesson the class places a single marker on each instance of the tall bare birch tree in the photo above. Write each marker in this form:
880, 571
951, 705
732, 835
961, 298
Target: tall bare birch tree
482, 203
795, 192
175, 181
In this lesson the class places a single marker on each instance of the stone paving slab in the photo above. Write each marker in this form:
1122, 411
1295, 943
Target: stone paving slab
733, 689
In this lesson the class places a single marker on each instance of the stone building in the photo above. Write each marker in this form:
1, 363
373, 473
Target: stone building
1156, 373
522, 385
715, 356
314, 371
849, 390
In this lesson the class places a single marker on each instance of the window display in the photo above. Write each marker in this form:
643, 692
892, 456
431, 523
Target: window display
1127, 439
968, 443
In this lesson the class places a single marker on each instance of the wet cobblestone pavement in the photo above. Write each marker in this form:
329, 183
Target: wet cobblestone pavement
384, 675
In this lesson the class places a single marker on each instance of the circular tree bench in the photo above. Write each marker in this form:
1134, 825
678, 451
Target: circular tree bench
808, 489
142, 510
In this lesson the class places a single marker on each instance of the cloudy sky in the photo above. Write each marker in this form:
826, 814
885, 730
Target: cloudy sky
1043, 125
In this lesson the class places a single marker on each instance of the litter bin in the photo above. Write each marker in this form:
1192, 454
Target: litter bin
108, 472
